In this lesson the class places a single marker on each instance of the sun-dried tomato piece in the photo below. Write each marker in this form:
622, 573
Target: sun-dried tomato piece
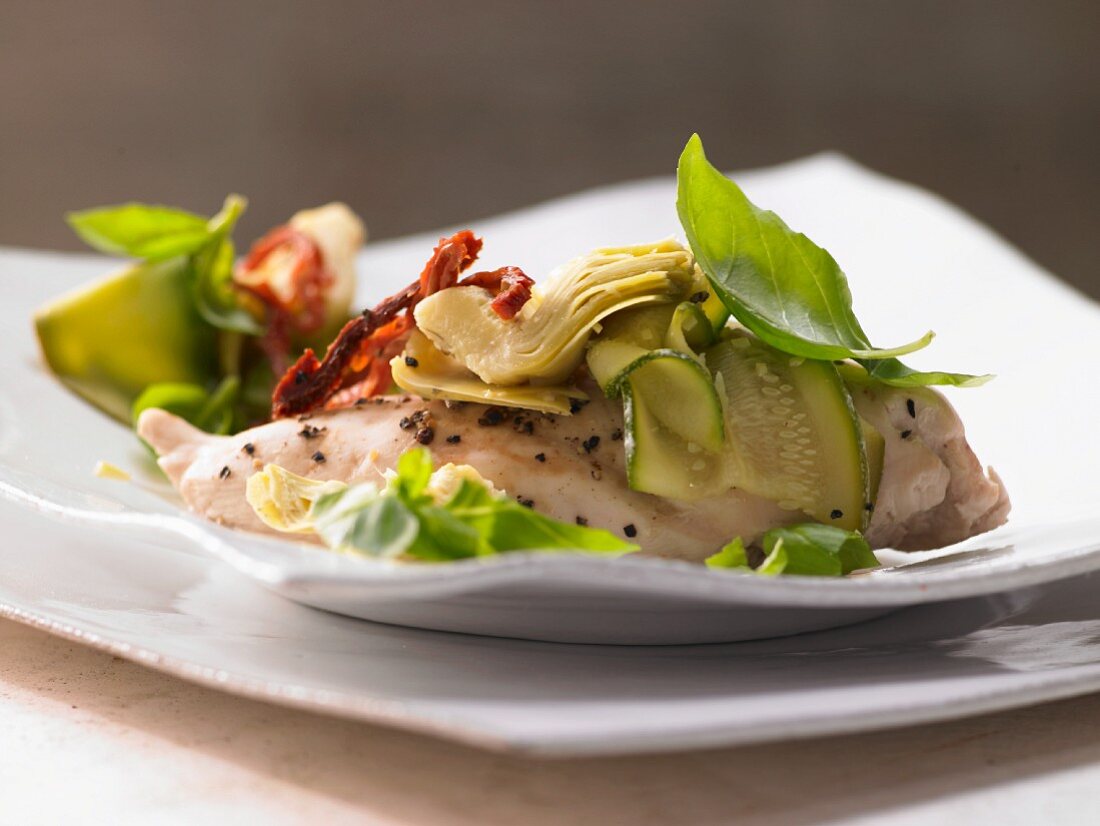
286, 271
356, 364
511, 284
451, 257
363, 348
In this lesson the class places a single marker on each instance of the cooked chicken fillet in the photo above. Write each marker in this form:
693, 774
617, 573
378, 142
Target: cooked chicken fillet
569, 467
933, 490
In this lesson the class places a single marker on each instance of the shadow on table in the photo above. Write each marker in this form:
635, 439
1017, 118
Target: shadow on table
402, 777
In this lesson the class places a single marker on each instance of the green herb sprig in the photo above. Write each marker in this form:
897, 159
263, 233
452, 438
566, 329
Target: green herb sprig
203, 248
404, 520
810, 549
777, 282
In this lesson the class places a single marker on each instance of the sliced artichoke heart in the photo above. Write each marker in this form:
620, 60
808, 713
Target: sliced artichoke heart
437, 376
284, 500
544, 343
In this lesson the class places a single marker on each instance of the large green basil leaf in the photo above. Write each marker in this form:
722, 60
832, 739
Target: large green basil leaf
777, 282
151, 233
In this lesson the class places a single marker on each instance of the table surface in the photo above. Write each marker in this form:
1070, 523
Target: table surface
90, 737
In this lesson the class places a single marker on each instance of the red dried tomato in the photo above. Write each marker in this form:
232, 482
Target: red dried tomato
293, 290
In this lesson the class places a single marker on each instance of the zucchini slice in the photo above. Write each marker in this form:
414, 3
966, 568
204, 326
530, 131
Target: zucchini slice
690, 329
793, 431
674, 423
660, 460
679, 393
609, 362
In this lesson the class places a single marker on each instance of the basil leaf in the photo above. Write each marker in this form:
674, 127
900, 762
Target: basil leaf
414, 472
473, 522
472, 500
777, 282
506, 525
361, 520
777, 561
218, 301
209, 411
893, 372
811, 549
731, 556
519, 528
180, 398
444, 536
217, 414
152, 233
325, 506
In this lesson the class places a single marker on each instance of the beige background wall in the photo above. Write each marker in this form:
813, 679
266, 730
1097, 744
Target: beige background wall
422, 114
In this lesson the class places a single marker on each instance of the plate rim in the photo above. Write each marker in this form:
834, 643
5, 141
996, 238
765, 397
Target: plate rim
395, 715
668, 578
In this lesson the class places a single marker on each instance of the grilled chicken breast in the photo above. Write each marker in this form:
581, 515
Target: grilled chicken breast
933, 490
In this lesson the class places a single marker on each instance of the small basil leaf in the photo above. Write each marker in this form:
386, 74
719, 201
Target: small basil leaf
152, 233
217, 413
255, 399
212, 412
519, 528
226, 219
471, 500
776, 562
444, 536
731, 556
414, 471
893, 372
326, 505
789, 554
362, 521
180, 398
813, 549
217, 300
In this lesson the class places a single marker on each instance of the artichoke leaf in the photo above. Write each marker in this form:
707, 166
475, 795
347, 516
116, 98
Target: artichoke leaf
544, 344
436, 376
284, 500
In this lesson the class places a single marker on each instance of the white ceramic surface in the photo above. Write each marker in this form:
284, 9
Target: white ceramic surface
116, 563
